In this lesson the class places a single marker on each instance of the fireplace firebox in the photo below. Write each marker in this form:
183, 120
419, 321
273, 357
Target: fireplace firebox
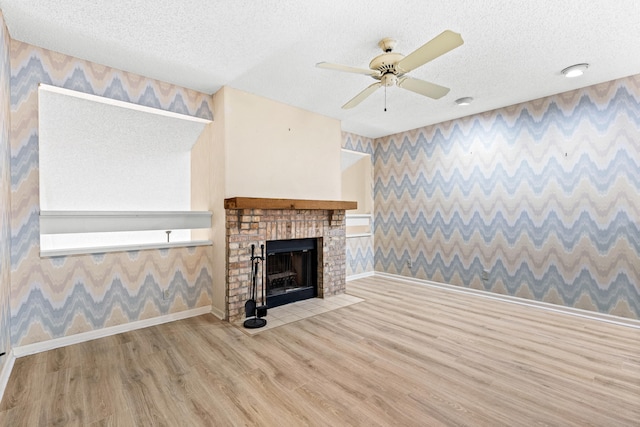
291, 271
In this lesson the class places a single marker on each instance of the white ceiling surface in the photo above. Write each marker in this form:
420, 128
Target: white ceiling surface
121, 129
513, 51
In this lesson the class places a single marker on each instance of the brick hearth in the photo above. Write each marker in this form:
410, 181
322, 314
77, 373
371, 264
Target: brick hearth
258, 225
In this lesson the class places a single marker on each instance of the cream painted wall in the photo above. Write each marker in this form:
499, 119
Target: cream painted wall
357, 184
218, 156
207, 193
259, 148
275, 150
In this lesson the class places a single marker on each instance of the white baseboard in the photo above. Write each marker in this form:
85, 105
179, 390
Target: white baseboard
361, 275
578, 312
6, 372
218, 313
25, 350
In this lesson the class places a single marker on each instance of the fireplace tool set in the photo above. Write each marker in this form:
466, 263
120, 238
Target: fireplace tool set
253, 311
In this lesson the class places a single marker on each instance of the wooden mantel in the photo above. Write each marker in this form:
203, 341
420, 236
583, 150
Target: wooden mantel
262, 203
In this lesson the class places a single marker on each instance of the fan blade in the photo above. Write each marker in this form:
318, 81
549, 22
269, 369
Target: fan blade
346, 68
361, 96
439, 45
421, 87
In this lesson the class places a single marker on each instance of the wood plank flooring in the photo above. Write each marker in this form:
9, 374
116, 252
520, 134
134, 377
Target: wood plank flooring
409, 355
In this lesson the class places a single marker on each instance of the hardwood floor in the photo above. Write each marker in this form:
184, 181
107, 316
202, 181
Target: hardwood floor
408, 355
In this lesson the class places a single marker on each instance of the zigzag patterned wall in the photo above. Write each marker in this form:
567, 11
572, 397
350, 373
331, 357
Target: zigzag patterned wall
55, 297
544, 196
5, 192
361, 144
360, 254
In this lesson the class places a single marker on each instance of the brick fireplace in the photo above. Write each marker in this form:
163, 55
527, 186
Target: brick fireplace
256, 221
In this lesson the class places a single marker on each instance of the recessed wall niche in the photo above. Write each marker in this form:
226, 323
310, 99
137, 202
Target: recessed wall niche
357, 184
116, 173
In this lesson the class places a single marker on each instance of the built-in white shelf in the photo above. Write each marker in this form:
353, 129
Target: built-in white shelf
122, 248
79, 222
122, 104
355, 220
61, 222
359, 221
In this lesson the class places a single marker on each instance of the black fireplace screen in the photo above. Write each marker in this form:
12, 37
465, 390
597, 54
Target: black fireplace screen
291, 271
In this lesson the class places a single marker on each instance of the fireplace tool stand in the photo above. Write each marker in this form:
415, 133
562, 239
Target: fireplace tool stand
253, 311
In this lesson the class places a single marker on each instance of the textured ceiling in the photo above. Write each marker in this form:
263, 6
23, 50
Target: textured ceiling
513, 51
115, 129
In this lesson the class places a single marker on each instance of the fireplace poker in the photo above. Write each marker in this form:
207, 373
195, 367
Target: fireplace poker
254, 321
261, 310
250, 305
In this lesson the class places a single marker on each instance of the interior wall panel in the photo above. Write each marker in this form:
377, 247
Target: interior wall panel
60, 296
360, 252
539, 200
5, 193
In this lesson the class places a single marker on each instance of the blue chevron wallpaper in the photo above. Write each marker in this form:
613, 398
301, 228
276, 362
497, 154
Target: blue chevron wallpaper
5, 192
56, 297
544, 196
359, 249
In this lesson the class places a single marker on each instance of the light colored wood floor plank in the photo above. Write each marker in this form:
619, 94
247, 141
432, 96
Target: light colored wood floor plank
409, 355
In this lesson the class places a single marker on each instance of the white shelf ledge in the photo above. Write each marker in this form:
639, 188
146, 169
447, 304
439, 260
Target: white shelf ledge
62, 222
121, 104
352, 236
355, 220
122, 248
359, 221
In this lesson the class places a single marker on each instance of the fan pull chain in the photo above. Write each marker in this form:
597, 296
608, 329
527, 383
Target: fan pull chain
385, 97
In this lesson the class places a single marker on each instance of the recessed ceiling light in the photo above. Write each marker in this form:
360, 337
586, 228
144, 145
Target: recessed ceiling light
575, 70
464, 101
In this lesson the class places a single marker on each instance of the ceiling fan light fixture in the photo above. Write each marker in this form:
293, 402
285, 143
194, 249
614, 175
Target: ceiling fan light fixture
464, 101
389, 80
575, 70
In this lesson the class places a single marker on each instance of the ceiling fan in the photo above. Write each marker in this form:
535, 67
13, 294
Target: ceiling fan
390, 68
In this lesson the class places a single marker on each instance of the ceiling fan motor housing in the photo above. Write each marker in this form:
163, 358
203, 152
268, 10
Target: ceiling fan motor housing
386, 63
